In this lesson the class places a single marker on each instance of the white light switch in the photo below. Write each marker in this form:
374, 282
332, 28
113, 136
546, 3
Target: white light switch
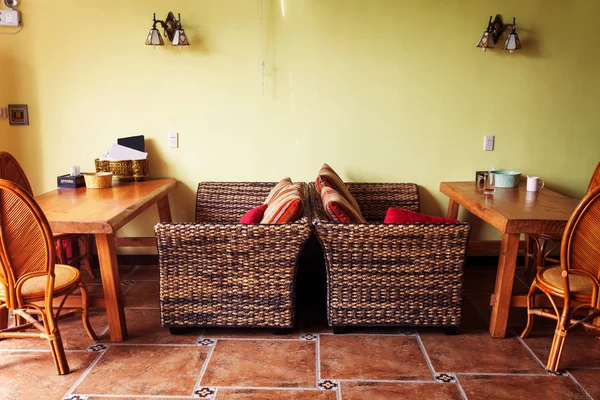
488, 143
10, 18
173, 139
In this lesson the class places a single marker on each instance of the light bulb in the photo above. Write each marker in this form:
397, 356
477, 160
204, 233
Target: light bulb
483, 49
153, 47
511, 51
180, 47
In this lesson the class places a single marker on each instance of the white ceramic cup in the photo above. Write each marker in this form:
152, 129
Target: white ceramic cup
533, 183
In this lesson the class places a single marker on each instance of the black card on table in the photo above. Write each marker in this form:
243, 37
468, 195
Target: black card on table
133, 142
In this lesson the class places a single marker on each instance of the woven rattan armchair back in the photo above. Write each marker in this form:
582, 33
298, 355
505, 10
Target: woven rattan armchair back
12, 171
25, 240
580, 249
595, 181
226, 202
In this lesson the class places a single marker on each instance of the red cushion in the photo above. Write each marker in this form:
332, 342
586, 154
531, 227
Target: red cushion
254, 216
402, 216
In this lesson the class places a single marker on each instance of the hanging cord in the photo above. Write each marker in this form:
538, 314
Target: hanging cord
261, 61
17, 31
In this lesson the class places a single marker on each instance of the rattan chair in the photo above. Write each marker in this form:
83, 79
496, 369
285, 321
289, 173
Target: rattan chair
12, 171
575, 281
541, 246
29, 276
218, 272
391, 275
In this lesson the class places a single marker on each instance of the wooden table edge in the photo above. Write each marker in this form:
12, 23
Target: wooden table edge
455, 195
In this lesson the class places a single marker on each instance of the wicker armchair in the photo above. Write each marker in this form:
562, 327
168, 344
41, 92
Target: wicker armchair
391, 275
217, 272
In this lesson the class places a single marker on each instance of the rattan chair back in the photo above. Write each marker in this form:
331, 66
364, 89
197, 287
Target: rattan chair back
25, 240
374, 204
581, 241
12, 171
227, 202
595, 181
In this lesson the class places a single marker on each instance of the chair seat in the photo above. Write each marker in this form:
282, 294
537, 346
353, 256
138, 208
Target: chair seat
578, 284
64, 277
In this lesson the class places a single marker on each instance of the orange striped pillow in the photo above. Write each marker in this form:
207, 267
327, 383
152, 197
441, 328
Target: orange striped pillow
285, 182
338, 209
286, 205
328, 177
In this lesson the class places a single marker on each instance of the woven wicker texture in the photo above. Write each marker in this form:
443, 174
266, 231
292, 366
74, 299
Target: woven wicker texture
577, 283
374, 199
12, 171
218, 272
23, 236
391, 274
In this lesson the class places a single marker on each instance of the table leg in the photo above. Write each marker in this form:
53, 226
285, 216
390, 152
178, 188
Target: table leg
164, 210
452, 209
109, 271
3, 318
504, 282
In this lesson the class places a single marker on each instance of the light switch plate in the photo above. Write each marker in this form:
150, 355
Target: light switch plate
173, 139
9, 18
3, 112
488, 143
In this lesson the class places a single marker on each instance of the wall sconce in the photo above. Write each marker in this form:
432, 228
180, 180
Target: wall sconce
493, 33
171, 28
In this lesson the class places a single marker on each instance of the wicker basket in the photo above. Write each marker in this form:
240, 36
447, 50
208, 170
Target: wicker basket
141, 169
99, 180
102, 165
125, 169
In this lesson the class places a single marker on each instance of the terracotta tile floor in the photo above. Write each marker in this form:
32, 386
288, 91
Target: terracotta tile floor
307, 363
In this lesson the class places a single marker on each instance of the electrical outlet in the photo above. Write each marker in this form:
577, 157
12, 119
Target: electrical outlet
3, 112
173, 139
10, 18
488, 143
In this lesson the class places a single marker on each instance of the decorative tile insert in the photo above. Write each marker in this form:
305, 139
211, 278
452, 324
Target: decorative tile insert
75, 397
97, 347
328, 384
444, 377
407, 332
205, 342
204, 393
309, 336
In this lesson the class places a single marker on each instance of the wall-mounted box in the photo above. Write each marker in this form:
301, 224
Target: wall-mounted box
10, 18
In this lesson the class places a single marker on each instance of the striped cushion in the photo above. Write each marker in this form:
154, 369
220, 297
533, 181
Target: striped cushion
285, 205
338, 209
328, 177
285, 182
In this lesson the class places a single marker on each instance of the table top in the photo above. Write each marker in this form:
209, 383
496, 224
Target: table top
514, 210
101, 211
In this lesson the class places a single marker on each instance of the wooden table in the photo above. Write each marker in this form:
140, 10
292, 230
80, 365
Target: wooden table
102, 212
512, 212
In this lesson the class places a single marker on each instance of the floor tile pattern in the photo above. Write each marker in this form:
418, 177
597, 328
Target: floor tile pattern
309, 362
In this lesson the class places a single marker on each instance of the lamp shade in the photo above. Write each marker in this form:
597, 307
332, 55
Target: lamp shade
512, 42
486, 41
154, 38
180, 38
